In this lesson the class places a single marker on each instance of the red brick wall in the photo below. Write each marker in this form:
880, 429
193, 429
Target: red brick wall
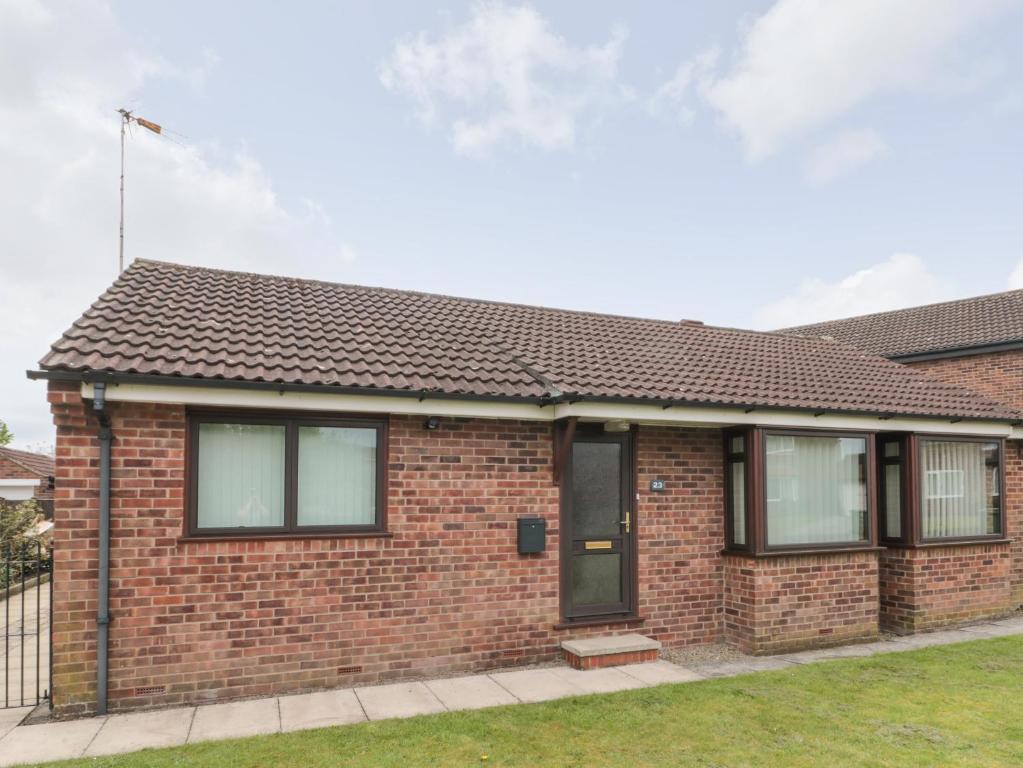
785, 603
930, 587
447, 591
998, 375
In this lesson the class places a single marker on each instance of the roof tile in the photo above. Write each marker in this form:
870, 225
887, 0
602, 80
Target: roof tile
174, 320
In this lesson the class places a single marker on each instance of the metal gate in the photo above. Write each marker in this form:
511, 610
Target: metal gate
26, 589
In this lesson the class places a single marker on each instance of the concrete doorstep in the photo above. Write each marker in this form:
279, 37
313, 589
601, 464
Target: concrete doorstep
114, 734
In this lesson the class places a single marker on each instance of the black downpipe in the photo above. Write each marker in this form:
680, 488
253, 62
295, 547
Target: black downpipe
103, 597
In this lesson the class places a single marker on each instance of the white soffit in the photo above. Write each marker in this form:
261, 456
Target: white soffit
692, 416
18, 489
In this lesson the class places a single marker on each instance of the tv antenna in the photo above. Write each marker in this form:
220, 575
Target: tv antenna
126, 119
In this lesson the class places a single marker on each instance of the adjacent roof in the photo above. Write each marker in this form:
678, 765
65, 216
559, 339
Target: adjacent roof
186, 322
951, 326
37, 463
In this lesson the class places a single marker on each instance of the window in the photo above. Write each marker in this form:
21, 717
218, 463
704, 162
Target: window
891, 453
816, 490
253, 476
960, 484
735, 482
788, 490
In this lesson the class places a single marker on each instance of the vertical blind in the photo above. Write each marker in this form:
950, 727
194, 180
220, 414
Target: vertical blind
739, 502
816, 489
959, 488
337, 477
241, 476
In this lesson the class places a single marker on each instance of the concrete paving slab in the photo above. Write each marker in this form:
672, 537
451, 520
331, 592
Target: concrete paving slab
928, 639
398, 700
474, 692
10, 718
50, 741
320, 710
660, 672
605, 680
235, 720
142, 730
532, 685
766, 663
726, 669
992, 630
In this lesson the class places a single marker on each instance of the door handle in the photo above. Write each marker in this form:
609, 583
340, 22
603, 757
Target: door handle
627, 522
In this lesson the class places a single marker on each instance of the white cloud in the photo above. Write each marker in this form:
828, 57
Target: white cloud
505, 74
804, 63
901, 281
843, 154
63, 72
674, 95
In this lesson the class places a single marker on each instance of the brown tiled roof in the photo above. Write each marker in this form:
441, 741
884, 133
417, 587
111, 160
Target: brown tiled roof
170, 320
39, 463
952, 325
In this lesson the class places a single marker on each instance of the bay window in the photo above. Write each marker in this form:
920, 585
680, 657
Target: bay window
798, 490
284, 475
960, 489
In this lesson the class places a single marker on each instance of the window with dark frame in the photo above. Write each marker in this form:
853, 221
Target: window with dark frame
792, 490
960, 489
251, 475
736, 490
891, 456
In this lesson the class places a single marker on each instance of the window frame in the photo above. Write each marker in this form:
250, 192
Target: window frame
906, 494
732, 457
756, 493
918, 513
291, 421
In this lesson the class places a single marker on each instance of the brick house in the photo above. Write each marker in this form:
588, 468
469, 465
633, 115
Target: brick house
975, 343
25, 475
270, 485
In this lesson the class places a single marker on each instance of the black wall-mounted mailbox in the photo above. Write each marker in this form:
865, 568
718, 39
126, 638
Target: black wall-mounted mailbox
532, 535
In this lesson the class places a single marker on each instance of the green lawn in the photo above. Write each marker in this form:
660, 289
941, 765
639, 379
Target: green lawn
951, 705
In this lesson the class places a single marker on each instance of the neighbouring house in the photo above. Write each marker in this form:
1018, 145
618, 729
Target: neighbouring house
25, 475
975, 343
269, 485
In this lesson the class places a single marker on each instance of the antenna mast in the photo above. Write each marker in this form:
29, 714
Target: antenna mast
126, 118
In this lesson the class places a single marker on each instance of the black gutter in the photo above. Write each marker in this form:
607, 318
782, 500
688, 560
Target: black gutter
944, 354
103, 587
95, 377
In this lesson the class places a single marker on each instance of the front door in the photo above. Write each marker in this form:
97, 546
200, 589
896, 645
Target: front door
598, 526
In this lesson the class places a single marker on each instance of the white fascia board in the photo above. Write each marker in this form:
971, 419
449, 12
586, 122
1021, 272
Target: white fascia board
18, 489
225, 397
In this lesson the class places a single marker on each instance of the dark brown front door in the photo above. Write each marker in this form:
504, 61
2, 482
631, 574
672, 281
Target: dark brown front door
598, 525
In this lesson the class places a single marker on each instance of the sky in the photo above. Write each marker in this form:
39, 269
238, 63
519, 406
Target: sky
749, 164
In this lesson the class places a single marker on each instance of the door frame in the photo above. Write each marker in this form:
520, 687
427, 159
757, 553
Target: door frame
630, 551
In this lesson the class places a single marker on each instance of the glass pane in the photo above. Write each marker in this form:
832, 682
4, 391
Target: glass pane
960, 488
816, 489
891, 450
893, 500
596, 579
596, 490
738, 502
736, 444
241, 476
337, 476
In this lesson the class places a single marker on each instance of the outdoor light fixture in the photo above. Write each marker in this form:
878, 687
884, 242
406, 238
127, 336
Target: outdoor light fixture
431, 423
617, 425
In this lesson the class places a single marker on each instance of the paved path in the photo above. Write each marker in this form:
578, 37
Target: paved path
91, 737
25, 646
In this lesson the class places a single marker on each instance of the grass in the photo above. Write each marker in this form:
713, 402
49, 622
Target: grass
952, 705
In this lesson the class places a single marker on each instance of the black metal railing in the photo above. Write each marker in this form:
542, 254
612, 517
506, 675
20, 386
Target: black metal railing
26, 587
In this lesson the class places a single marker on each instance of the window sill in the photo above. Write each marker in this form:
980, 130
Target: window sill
799, 552
598, 621
203, 539
949, 543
